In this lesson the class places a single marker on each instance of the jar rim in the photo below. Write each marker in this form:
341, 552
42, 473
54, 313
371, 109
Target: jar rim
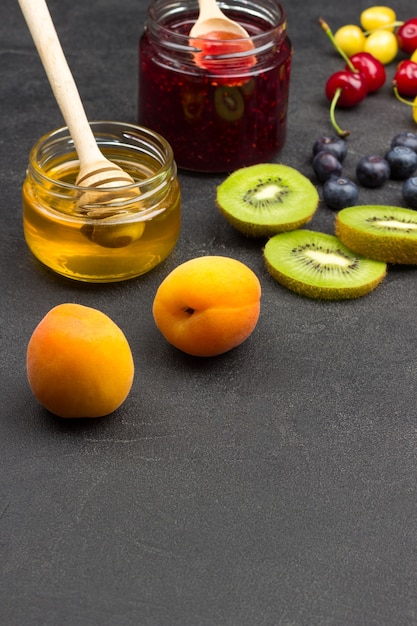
126, 129
247, 8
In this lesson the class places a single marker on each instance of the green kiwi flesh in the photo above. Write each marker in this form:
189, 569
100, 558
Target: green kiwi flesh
320, 266
385, 233
268, 198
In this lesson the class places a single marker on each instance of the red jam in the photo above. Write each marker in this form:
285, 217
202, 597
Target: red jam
220, 104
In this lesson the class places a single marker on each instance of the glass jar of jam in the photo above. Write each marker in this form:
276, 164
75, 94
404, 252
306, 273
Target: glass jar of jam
117, 235
219, 104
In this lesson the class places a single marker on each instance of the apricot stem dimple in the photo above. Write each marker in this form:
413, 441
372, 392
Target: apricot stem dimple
189, 310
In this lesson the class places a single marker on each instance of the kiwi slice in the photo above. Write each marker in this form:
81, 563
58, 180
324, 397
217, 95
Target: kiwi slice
268, 198
385, 233
318, 265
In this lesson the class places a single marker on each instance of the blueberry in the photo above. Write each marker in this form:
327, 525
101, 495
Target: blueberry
335, 145
409, 192
339, 193
325, 165
372, 171
407, 139
402, 162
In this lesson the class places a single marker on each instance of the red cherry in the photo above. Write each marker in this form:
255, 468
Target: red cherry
344, 89
407, 36
350, 86
405, 79
371, 69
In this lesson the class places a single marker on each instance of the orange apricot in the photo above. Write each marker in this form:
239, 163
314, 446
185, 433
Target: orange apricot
208, 305
79, 362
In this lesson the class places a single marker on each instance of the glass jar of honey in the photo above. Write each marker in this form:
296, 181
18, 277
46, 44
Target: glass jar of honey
220, 104
122, 232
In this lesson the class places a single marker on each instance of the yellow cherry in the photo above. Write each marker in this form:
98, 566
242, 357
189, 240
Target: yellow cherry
378, 17
383, 45
350, 39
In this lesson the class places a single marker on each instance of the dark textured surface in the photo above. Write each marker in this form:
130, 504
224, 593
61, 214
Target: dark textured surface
274, 485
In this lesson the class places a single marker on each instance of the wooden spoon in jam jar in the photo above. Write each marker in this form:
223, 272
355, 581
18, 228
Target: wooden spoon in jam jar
212, 20
220, 44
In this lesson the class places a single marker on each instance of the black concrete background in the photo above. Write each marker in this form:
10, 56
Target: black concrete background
274, 485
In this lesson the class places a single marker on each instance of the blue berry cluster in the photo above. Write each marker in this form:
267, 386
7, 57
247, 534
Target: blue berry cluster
399, 163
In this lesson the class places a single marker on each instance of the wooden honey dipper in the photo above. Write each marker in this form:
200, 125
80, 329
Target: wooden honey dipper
96, 171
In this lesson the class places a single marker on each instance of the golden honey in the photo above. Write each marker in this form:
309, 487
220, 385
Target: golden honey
128, 233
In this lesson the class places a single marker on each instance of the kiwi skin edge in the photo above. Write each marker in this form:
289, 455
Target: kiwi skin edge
262, 230
354, 228
321, 293
305, 279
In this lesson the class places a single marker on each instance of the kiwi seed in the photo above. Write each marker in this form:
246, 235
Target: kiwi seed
268, 198
384, 233
320, 266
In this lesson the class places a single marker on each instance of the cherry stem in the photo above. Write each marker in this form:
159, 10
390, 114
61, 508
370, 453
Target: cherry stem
326, 28
404, 101
401, 99
340, 132
384, 27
